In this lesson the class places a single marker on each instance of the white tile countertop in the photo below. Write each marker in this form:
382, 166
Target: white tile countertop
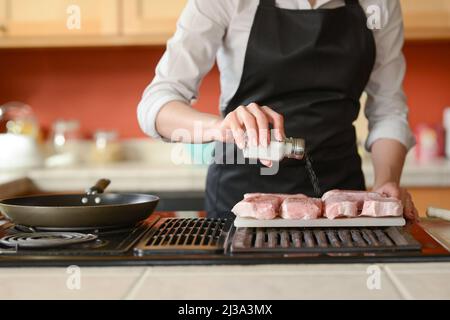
277, 281
356, 281
154, 170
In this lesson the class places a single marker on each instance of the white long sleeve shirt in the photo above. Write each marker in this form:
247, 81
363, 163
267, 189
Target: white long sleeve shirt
210, 31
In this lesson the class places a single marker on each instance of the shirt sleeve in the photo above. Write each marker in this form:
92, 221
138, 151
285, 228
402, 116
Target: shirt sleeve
386, 108
189, 55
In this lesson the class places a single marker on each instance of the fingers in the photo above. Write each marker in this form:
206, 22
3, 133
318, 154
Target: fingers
407, 204
278, 122
254, 121
262, 123
396, 193
267, 163
236, 130
410, 210
391, 190
250, 126
416, 214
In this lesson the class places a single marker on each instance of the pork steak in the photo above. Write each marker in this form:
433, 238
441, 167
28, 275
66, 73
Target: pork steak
382, 208
350, 203
262, 207
340, 209
351, 195
301, 208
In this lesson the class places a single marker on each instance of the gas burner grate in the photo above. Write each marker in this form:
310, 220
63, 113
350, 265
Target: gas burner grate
45, 239
323, 240
185, 235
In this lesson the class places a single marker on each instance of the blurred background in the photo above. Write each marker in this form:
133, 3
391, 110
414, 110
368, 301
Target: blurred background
69, 99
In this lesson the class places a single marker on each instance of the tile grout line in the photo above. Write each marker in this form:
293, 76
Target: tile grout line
137, 285
404, 293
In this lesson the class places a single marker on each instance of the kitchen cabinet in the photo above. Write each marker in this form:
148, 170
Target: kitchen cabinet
32, 23
56, 21
3, 9
428, 19
430, 197
153, 18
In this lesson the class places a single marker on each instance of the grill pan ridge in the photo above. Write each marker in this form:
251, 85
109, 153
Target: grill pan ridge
185, 235
322, 240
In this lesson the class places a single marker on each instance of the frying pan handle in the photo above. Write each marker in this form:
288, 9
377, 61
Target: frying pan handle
99, 187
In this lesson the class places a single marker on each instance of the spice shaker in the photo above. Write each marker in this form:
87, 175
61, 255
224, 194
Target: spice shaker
293, 148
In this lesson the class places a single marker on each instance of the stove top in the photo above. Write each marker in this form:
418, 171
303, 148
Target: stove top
191, 239
43, 240
16, 240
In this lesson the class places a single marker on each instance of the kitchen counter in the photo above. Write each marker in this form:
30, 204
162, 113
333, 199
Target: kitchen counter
397, 281
151, 168
269, 281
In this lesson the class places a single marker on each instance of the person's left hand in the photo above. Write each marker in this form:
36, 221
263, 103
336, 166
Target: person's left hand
392, 189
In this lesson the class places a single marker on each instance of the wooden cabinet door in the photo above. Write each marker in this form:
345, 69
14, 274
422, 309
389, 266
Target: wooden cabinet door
156, 18
3, 9
430, 197
46, 18
426, 19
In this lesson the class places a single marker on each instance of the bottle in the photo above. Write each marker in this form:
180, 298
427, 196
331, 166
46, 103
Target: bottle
447, 131
430, 145
293, 148
65, 136
107, 147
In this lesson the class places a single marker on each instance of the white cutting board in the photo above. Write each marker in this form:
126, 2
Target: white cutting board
322, 222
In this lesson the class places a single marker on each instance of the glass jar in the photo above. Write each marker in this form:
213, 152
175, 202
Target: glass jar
106, 148
18, 118
64, 135
19, 137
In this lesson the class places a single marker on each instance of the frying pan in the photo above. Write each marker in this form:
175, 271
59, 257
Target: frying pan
92, 209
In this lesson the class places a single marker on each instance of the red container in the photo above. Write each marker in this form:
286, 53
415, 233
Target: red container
430, 142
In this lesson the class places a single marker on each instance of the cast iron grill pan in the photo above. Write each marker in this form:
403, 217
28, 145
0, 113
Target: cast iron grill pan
185, 235
322, 240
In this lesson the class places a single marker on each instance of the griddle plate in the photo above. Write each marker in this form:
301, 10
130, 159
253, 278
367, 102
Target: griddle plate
323, 240
185, 235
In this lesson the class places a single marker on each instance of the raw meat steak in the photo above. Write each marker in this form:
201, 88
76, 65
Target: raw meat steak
301, 208
341, 208
355, 195
262, 207
281, 196
351, 195
388, 207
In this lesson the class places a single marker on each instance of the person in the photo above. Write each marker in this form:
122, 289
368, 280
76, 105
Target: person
297, 67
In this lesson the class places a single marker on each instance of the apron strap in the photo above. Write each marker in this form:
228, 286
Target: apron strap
351, 3
267, 3
271, 3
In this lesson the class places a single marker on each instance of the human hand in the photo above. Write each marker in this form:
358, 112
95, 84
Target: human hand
392, 189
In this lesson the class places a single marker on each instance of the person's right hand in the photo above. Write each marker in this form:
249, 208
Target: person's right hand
253, 121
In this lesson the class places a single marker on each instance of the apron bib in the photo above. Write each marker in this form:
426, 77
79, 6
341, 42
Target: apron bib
311, 66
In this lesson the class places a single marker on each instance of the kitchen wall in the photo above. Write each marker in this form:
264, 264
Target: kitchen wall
102, 86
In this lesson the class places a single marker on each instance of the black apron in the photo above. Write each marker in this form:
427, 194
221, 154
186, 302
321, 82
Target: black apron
311, 66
